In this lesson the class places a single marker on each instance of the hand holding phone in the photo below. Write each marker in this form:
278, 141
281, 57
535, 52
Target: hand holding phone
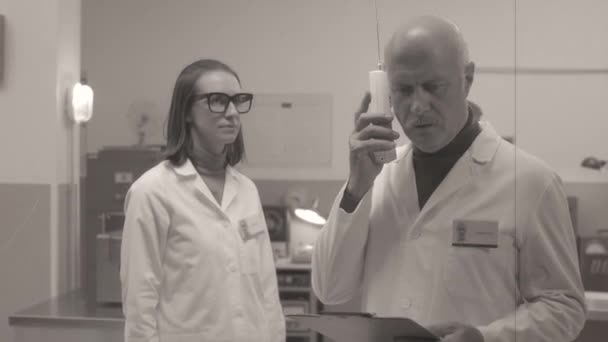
380, 103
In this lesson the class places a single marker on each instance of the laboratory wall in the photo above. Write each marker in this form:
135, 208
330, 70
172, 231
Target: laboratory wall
41, 62
133, 51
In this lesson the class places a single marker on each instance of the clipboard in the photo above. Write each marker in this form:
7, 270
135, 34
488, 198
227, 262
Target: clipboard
364, 327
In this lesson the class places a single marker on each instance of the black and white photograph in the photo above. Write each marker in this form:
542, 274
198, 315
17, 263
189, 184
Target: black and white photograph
304, 171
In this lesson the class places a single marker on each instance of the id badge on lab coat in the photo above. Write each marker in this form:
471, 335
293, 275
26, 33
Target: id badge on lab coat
475, 233
250, 227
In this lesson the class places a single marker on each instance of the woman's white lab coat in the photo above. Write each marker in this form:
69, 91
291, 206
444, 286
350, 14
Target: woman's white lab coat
403, 261
194, 270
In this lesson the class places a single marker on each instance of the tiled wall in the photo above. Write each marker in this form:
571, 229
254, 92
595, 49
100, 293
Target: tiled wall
65, 238
24, 248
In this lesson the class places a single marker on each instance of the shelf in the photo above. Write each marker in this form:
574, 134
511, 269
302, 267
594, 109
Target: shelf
298, 333
297, 297
287, 265
295, 289
541, 71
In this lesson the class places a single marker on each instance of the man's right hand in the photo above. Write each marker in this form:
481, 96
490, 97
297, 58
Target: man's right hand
373, 132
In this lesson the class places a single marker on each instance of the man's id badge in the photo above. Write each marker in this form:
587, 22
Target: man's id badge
475, 233
250, 227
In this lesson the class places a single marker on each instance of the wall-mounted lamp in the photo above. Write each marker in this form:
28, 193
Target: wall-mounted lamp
595, 163
82, 111
82, 103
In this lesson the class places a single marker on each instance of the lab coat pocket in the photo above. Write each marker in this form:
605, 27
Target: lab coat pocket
479, 273
251, 270
251, 230
250, 257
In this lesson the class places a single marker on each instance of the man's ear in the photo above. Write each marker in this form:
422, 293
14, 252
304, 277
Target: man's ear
469, 75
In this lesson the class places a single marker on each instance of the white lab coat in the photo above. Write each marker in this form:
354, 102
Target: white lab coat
186, 273
401, 260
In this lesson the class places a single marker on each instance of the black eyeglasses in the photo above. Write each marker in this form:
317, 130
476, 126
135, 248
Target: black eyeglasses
219, 102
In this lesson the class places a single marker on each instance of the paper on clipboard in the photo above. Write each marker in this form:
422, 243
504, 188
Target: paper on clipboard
365, 328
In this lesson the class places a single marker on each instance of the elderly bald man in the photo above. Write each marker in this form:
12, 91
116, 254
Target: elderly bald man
464, 232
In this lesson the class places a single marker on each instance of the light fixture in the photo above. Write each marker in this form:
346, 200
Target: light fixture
304, 224
310, 215
82, 102
595, 163
80, 113
303, 206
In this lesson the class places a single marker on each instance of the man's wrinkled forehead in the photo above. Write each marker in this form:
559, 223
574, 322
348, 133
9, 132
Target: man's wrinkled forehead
414, 64
412, 59
413, 48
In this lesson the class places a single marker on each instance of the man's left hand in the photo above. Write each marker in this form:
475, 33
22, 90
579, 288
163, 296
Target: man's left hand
456, 332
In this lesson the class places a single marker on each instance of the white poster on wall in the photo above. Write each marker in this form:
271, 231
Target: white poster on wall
289, 131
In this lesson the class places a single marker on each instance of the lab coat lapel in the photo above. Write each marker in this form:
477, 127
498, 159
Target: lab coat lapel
482, 151
459, 176
188, 170
408, 192
204, 189
230, 188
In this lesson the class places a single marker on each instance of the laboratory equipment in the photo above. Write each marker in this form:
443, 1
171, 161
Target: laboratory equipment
278, 229
110, 173
594, 261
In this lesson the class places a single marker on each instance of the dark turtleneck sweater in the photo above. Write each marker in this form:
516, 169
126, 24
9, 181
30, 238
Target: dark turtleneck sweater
431, 168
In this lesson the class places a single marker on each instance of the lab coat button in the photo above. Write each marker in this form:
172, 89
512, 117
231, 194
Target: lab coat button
232, 268
416, 234
406, 304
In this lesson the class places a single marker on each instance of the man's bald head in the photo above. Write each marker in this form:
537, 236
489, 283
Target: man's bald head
430, 76
427, 37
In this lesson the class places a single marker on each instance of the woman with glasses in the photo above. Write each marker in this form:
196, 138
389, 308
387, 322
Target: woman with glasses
196, 259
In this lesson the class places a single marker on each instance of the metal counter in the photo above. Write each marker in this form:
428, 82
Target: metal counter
73, 317
70, 309
73, 308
